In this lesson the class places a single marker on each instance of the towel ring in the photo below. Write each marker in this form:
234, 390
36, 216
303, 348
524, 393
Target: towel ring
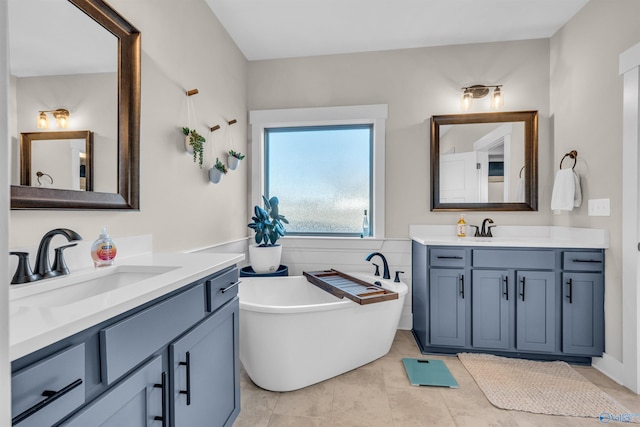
520, 174
41, 174
573, 154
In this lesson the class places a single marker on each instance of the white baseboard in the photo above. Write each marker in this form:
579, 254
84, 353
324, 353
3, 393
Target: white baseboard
609, 366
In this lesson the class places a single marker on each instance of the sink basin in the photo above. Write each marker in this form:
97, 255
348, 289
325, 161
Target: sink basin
69, 289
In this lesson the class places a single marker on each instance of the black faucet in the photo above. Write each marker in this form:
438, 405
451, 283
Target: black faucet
385, 265
43, 267
486, 232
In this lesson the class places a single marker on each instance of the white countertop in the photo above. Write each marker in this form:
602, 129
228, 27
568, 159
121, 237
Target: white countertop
32, 328
514, 236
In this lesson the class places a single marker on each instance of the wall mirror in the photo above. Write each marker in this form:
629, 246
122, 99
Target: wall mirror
80, 55
484, 161
60, 160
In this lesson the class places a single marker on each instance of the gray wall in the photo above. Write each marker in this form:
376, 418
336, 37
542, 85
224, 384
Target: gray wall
586, 107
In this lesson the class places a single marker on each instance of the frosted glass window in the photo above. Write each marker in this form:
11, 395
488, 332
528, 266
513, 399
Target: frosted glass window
322, 176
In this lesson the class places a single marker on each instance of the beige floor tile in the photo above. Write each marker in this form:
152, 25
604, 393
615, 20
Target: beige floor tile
295, 421
312, 401
379, 395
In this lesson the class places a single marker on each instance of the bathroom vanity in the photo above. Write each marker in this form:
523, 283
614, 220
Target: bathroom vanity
164, 353
539, 296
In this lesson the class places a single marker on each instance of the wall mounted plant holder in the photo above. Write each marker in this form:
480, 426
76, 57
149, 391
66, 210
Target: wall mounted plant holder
233, 159
194, 144
217, 171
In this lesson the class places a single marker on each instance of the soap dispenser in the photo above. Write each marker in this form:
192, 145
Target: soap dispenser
462, 227
103, 250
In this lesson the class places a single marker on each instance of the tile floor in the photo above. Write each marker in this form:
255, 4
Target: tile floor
379, 394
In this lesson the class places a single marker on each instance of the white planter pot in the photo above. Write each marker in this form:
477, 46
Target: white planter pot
188, 146
233, 162
215, 175
265, 259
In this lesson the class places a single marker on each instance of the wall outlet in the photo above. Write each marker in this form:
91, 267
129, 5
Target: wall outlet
599, 207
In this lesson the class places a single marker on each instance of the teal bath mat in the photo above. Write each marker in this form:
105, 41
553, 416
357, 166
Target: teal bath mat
429, 372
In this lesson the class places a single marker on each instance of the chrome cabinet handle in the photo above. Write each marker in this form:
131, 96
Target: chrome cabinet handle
231, 286
163, 386
187, 391
51, 396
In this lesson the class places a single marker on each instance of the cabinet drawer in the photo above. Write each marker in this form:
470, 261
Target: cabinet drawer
496, 258
439, 257
583, 261
221, 289
47, 391
130, 341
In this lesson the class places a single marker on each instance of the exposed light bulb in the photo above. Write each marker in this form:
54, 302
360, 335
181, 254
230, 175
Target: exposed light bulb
43, 121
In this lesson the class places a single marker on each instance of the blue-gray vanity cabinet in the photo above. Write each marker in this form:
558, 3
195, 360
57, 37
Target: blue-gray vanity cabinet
205, 371
583, 313
536, 321
447, 307
492, 298
136, 401
46, 391
544, 303
126, 362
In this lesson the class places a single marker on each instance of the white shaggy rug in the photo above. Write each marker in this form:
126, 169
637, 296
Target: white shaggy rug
552, 388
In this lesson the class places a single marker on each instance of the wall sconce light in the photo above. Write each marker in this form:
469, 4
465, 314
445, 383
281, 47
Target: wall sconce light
61, 115
470, 93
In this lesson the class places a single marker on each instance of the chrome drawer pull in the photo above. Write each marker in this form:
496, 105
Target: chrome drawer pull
51, 396
233, 285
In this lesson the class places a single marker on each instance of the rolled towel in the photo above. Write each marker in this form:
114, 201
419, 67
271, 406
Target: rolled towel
564, 195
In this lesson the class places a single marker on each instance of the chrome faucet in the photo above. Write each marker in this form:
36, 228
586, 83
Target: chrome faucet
385, 265
43, 267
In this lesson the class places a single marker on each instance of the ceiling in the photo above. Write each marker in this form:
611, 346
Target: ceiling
295, 28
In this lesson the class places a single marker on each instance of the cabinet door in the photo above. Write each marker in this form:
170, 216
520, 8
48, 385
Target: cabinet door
447, 307
136, 401
491, 298
583, 313
536, 311
419, 298
205, 390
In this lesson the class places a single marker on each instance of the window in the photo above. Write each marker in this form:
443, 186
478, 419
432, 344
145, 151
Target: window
326, 165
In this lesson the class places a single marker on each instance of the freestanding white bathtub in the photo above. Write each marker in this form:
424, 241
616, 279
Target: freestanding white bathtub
294, 334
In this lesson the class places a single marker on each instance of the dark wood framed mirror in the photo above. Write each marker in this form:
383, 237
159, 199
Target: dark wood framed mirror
128, 127
60, 160
484, 162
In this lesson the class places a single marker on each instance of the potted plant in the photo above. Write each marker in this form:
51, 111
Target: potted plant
234, 159
217, 171
194, 144
265, 255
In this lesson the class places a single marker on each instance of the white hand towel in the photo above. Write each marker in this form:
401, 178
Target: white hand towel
565, 187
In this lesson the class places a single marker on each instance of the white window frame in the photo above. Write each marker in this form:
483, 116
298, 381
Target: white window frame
322, 116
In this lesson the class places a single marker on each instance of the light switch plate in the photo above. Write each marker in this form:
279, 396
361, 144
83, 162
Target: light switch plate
599, 207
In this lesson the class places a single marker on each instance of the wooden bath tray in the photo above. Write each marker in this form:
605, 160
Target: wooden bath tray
342, 285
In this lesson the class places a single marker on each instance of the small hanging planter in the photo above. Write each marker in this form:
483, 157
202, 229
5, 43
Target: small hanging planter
194, 144
217, 171
233, 160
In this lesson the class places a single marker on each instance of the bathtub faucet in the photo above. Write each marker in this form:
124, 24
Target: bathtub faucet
386, 274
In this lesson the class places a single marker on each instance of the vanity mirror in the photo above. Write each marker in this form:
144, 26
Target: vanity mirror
115, 151
484, 161
61, 160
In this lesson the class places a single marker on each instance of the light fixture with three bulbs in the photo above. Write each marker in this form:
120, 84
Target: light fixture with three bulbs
470, 93
61, 115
